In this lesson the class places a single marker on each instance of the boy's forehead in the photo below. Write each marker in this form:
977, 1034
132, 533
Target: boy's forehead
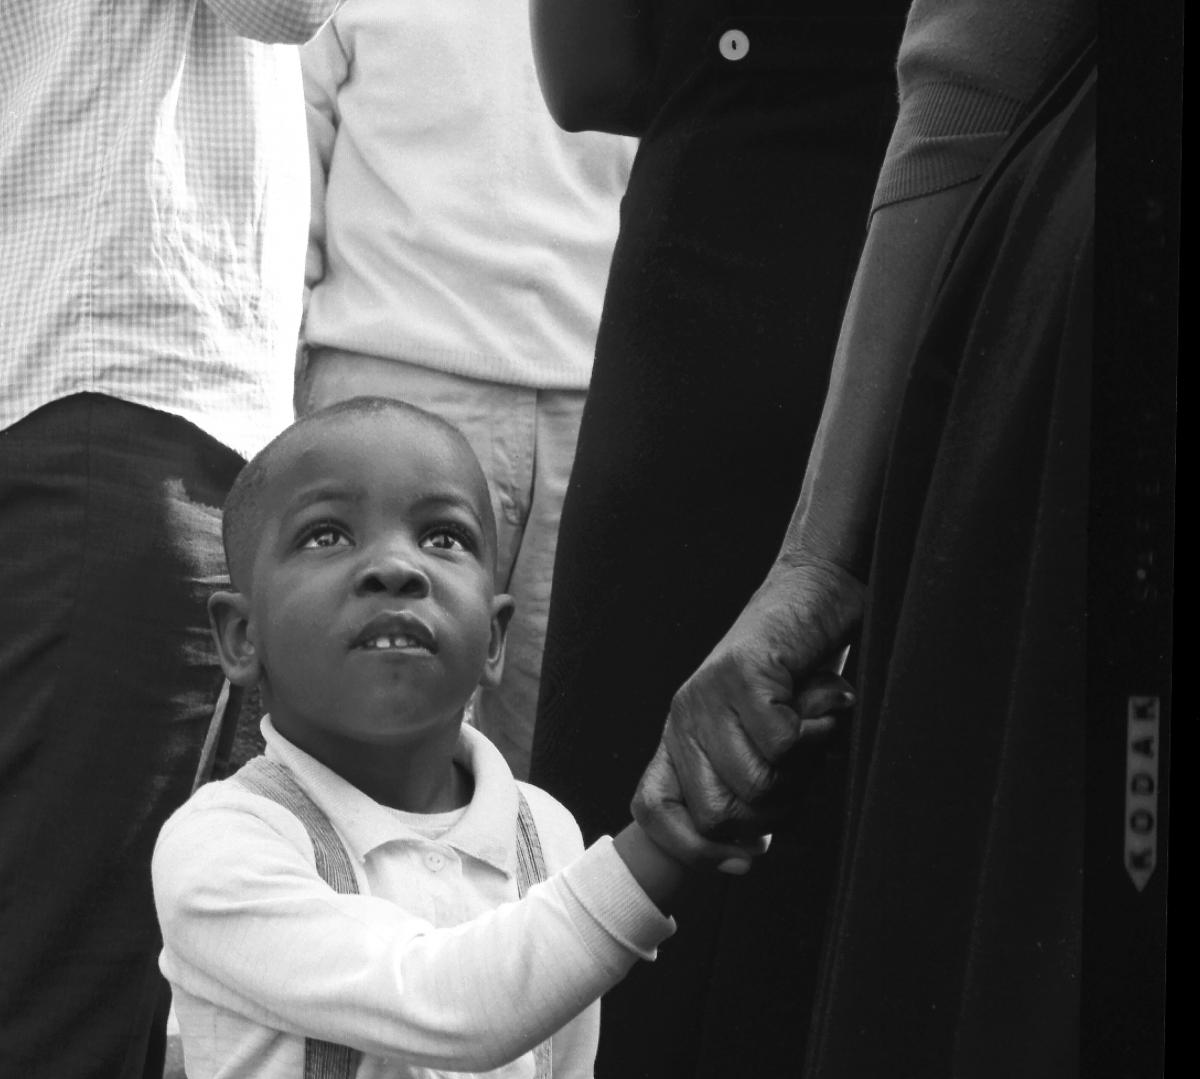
345, 450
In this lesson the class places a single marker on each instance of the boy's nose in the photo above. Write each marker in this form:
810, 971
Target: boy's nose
392, 571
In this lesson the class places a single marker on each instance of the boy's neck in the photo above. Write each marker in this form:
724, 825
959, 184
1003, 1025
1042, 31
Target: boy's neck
418, 777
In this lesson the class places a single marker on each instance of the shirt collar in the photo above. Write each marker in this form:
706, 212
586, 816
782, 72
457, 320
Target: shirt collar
486, 831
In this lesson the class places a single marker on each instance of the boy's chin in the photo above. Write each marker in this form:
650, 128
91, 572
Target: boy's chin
391, 727
406, 727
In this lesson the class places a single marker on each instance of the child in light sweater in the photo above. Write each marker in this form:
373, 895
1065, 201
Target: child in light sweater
365, 897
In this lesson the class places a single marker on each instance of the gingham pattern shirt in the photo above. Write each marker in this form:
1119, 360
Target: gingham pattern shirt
153, 206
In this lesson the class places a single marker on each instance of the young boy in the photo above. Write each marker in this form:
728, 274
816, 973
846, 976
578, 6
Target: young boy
360, 544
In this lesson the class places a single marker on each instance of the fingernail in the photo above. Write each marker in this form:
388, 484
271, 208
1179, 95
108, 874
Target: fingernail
847, 697
737, 867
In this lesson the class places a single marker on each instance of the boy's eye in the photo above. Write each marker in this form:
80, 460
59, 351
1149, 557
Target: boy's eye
324, 536
447, 539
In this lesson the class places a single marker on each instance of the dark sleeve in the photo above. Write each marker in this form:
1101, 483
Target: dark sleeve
968, 71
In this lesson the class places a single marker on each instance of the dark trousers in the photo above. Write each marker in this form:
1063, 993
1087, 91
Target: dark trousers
109, 549
740, 232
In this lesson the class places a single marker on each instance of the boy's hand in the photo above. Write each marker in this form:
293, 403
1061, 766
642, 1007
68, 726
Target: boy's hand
661, 874
747, 726
659, 809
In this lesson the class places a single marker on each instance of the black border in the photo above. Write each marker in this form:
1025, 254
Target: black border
1131, 573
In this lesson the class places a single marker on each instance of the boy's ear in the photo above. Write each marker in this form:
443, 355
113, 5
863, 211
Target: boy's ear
502, 612
229, 616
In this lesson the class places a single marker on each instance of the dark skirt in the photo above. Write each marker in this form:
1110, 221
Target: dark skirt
739, 237
956, 936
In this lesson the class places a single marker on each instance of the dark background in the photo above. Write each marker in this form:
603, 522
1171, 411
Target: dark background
1131, 541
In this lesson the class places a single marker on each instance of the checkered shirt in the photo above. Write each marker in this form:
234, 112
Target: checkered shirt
153, 206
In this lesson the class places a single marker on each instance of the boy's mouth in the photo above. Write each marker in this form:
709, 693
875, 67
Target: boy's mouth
394, 643
395, 631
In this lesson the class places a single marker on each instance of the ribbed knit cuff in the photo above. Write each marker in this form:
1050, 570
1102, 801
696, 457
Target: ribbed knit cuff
946, 135
617, 910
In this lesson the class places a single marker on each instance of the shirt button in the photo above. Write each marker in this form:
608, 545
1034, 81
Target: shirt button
733, 45
435, 861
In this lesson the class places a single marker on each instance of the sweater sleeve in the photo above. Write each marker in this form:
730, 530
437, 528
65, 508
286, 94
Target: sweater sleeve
249, 926
325, 67
968, 71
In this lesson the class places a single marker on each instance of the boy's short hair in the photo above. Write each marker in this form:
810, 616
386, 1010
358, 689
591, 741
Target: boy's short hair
241, 522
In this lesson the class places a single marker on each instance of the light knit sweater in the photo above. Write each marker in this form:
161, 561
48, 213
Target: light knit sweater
968, 71
434, 967
454, 225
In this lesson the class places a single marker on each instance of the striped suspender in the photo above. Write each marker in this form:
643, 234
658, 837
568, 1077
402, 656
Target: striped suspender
531, 868
324, 1060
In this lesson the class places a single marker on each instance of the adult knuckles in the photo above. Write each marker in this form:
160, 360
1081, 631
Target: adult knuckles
711, 817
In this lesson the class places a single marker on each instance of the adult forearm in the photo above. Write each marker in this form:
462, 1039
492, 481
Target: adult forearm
593, 61
736, 739
834, 519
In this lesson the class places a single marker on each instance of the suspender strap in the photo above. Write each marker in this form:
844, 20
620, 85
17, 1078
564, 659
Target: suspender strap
324, 1060
531, 868
221, 729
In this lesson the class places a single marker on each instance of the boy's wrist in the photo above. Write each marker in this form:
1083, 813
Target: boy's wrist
658, 874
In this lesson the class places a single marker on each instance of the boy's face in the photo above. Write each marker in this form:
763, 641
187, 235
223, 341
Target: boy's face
371, 608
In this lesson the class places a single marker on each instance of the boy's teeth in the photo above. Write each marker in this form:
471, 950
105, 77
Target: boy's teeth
392, 642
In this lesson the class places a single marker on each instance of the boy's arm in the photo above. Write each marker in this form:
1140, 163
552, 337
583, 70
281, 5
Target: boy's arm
249, 927
594, 62
658, 874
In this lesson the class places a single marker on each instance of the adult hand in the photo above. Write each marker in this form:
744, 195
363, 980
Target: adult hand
753, 714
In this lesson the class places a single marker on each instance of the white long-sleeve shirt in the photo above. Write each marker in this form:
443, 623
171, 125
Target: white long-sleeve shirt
455, 225
434, 968
153, 200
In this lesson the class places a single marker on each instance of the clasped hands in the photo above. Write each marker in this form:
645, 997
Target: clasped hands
746, 731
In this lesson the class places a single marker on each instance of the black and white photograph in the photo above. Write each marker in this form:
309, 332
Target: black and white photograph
587, 539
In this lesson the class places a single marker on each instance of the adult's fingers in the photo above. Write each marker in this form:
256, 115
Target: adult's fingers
723, 783
719, 723
822, 693
731, 783
658, 806
776, 727
747, 712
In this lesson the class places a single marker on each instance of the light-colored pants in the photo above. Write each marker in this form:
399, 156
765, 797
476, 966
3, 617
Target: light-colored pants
525, 440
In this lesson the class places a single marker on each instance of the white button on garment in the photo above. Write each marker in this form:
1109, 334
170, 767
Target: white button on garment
734, 45
435, 861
